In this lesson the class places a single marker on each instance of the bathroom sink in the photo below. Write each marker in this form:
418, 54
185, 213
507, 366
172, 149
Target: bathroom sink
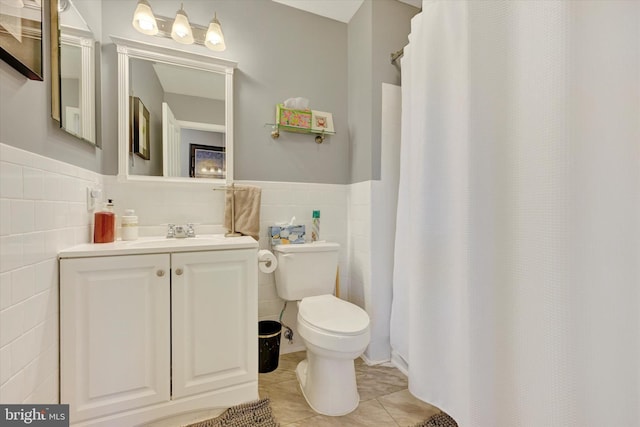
163, 242
160, 244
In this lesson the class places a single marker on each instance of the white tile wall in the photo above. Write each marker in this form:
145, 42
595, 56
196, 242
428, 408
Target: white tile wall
42, 210
198, 203
281, 202
172, 202
360, 243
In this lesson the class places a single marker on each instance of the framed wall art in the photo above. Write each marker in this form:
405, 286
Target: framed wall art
321, 121
140, 140
21, 36
207, 161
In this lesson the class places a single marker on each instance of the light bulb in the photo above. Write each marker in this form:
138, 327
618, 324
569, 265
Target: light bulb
181, 30
143, 19
214, 39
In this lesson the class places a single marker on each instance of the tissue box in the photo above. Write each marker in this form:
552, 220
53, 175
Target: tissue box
293, 120
288, 234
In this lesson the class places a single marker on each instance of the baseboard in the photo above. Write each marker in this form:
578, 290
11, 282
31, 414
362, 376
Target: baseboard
399, 362
222, 398
370, 362
286, 348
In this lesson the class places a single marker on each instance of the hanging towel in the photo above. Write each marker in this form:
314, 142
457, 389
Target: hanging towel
247, 210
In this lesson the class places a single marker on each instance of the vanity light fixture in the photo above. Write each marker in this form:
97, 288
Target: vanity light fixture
179, 29
144, 20
215, 39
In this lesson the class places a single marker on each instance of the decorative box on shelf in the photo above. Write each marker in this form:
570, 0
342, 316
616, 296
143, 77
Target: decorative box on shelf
302, 121
293, 120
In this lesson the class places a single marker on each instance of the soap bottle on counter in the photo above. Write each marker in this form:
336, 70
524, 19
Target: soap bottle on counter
129, 225
104, 230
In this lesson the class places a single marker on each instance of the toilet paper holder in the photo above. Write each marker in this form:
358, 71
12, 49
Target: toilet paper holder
267, 262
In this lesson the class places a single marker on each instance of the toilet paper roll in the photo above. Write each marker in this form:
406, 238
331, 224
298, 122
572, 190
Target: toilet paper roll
267, 261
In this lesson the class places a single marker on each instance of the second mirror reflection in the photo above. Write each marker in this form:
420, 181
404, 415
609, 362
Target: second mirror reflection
77, 93
177, 124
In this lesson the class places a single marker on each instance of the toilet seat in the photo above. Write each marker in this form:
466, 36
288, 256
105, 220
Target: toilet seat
333, 325
326, 313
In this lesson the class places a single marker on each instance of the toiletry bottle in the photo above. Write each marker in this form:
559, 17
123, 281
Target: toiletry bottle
110, 208
129, 225
315, 226
105, 224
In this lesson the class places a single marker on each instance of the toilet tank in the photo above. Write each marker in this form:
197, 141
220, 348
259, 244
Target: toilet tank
306, 269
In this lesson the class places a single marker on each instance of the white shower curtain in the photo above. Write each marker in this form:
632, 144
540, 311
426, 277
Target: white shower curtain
517, 257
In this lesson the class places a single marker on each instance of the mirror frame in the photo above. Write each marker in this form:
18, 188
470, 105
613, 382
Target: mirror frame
127, 49
87, 84
54, 52
87, 45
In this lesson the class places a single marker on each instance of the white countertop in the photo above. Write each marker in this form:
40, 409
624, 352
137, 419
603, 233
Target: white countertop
154, 245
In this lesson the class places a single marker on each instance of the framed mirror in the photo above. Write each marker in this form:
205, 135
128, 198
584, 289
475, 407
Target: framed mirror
169, 100
74, 91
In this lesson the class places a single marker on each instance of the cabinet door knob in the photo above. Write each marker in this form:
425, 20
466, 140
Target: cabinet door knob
160, 273
179, 271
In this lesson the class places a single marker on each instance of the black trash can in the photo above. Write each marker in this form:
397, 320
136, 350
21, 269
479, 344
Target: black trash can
268, 345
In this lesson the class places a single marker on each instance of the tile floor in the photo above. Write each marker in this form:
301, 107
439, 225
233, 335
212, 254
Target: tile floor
385, 400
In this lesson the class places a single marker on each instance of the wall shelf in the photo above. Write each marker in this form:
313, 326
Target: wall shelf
276, 129
315, 122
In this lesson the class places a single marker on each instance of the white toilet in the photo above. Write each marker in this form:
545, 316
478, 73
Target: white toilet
334, 331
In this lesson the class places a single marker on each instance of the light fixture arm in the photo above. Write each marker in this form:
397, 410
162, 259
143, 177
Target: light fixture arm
165, 26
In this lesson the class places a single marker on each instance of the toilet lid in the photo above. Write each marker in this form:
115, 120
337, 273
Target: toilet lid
333, 314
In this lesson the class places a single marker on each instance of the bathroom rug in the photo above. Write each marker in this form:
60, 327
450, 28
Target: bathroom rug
438, 420
252, 414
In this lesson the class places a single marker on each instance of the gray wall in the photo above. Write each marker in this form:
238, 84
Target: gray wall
145, 85
25, 115
69, 97
282, 52
196, 109
391, 28
360, 45
193, 136
379, 28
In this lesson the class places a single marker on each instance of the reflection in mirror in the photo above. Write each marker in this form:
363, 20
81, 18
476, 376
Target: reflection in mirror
77, 73
170, 101
185, 106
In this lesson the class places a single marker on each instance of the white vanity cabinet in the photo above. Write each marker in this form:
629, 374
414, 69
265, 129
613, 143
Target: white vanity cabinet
114, 333
145, 335
210, 323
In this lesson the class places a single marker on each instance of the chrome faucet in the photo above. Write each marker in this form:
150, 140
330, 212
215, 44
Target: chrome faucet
180, 231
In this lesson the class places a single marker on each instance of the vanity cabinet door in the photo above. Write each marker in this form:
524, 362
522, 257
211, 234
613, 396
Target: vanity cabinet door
214, 320
114, 333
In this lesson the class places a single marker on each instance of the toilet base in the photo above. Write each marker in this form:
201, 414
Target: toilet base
328, 385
